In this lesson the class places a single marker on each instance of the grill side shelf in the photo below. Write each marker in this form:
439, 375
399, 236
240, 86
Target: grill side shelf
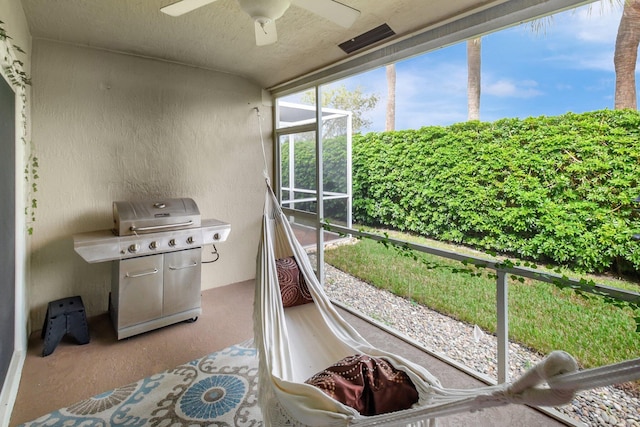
103, 245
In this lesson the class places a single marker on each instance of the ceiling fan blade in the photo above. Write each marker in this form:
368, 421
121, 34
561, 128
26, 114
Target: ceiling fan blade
339, 13
184, 6
266, 33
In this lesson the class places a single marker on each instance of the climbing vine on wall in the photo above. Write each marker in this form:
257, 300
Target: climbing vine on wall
14, 71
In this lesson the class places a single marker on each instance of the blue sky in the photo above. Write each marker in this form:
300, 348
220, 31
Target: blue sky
567, 66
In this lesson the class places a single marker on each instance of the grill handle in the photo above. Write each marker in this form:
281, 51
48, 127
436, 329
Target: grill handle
142, 273
160, 227
195, 264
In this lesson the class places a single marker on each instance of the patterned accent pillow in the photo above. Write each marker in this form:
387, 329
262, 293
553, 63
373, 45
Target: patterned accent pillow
369, 385
293, 287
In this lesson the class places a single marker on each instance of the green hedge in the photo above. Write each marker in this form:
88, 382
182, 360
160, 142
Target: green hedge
553, 189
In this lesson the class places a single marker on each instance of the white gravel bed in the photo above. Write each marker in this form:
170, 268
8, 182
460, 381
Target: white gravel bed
607, 406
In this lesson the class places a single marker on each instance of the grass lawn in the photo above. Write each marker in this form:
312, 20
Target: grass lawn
541, 316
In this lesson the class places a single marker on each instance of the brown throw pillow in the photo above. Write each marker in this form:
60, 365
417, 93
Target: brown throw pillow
369, 385
293, 287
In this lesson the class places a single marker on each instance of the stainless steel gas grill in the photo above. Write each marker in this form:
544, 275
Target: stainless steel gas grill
156, 251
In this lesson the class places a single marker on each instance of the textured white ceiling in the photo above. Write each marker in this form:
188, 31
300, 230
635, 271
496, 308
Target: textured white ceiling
220, 36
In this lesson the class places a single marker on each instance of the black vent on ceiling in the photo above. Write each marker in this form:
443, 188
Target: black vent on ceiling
367, 39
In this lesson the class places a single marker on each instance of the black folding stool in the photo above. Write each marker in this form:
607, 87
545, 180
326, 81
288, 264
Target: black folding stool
64, 316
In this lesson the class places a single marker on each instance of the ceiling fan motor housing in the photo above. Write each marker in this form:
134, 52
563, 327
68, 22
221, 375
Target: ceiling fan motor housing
264, 11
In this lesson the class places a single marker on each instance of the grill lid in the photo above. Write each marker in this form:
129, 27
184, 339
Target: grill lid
154, 215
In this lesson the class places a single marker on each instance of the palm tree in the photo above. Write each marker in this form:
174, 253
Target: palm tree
625, 56
391, 97
473, 78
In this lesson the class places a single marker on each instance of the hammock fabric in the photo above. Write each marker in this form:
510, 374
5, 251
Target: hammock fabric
297, 342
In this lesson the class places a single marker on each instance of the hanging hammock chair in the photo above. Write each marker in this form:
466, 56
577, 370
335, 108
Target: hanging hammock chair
300, 342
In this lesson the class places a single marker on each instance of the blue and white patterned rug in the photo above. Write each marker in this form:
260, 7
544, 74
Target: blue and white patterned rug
218, 390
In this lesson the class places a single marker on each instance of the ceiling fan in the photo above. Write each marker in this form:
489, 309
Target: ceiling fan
265, 12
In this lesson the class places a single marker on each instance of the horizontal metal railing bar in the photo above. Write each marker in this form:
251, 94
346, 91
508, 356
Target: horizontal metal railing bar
313, 199
307, 191
530, 273
302, 217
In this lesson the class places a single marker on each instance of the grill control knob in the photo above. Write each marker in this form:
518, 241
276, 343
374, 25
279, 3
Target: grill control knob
134, 248
172, 242
153, 245
189, 240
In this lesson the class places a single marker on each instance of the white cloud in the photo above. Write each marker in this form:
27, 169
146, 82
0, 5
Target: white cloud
564, 87
427, 93
512, 89
601, 85
584, 58
428, 79
500, 88
597, 61
583, 38
595, 23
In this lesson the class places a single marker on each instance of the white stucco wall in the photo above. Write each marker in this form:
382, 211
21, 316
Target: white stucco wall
15, 24
111, 127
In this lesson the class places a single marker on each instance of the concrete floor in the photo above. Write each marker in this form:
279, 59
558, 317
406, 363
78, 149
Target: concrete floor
75, 372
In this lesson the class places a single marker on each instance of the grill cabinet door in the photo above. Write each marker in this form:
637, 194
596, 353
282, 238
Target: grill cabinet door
182, 273
140, 290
